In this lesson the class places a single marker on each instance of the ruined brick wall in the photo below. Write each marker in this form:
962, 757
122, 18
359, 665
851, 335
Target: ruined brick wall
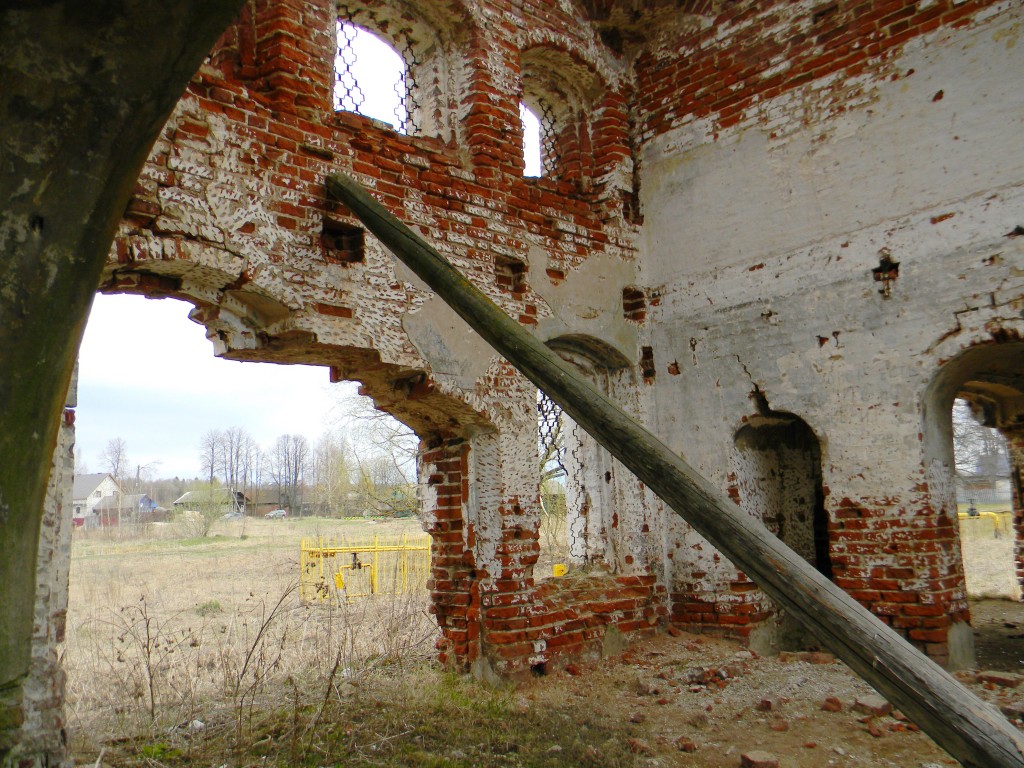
230, 214
750, 209
827, 192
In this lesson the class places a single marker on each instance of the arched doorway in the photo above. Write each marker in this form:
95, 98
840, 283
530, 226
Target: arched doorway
779, 481
987, 381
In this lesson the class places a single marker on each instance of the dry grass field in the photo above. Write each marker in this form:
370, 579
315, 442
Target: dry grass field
171, 638
185, 651
986, 543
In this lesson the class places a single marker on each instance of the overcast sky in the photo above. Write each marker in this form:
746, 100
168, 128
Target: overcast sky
147, 374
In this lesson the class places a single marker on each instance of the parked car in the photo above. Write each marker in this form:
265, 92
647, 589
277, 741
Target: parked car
233, 516
276, 514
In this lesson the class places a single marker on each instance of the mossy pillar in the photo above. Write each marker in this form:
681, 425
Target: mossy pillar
87, 86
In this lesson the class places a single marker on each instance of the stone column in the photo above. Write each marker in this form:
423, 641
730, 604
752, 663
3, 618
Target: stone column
40, 737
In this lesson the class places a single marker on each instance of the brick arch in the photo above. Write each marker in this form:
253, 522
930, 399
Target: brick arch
451, 477
611, 522
583, 109
562, 90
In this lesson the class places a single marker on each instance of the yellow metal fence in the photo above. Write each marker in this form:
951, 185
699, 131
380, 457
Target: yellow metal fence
1001, 523
342, 570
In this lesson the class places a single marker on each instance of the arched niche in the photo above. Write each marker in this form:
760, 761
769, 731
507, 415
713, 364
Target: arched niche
777, 465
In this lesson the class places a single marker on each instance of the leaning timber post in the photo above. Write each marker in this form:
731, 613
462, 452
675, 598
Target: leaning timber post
86, 88
972, 731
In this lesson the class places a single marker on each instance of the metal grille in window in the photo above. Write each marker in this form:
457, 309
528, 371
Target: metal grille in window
349, 94
551, 438
548, 140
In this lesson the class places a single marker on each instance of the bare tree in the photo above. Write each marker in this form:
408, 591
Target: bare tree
383, 487
114, 458
235, 451
383, 454
978, 450
115, 461
253, 468
289, 459
331, 473
209, 454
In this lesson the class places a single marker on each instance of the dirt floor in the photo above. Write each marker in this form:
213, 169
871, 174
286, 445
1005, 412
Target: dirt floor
695, 701
998, 634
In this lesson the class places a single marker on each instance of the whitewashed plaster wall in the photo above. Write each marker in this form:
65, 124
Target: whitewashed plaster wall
762, 239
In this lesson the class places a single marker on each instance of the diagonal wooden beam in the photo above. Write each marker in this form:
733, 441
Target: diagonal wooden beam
972, 731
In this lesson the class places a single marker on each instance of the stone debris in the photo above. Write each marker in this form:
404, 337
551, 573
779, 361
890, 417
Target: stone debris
810, 657
1002, 679
639, 747
685, 744
699, 721
769, 704
872, 705
758, 759
832, 704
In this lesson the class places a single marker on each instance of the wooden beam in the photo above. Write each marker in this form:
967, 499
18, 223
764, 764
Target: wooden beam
969, 729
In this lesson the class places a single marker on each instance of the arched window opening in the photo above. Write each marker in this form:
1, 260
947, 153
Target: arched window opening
374, 79
585, 491
562, 92
531, 141
973, 439
540, 139
551, 424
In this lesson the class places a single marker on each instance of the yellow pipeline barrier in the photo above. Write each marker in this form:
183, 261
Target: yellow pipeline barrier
342, 571
1000, 525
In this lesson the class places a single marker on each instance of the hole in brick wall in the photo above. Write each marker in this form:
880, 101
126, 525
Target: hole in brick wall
823, 12
647, 364
510, 274
634, 304
342, 243
539, 669
631, 206
886, 272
